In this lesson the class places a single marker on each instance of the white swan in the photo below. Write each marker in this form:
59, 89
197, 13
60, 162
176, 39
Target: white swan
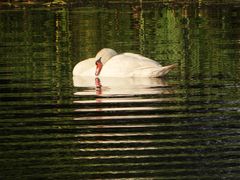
108, 63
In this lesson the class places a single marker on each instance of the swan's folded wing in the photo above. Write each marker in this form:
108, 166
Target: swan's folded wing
143, 61
130, 65
153, 71
146, 72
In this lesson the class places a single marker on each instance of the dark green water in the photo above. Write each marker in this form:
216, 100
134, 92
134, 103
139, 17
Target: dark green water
186, 126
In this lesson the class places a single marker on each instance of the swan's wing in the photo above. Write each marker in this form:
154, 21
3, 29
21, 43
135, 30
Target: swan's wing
125, 65
158, 71
144, 61
131, 61
133, 65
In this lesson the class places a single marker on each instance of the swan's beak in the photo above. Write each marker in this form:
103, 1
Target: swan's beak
98, 67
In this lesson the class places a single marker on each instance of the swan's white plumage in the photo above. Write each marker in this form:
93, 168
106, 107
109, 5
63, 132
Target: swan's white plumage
121, 65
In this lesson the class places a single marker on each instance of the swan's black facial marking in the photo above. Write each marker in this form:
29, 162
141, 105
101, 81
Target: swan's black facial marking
98, 61
99, 66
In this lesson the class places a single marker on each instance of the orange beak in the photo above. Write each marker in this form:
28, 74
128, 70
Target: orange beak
98, 67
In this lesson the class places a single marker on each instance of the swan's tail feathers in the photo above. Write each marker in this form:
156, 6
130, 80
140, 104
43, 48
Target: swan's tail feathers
166, 69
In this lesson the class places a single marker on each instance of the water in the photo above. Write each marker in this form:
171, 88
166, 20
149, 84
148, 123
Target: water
185, 126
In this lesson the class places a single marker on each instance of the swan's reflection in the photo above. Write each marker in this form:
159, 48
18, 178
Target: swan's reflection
112, 110
121, 86
113, 91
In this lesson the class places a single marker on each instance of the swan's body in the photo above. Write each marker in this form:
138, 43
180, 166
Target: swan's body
120, 65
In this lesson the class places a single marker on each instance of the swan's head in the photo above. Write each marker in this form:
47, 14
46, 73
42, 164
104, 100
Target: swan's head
102, 57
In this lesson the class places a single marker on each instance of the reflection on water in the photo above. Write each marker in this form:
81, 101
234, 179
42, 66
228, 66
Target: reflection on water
55, 126
120, 90
121, 86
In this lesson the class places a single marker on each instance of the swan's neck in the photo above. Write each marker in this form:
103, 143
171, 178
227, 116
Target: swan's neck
105, 55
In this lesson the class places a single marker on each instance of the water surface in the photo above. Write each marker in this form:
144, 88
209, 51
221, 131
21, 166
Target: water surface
185, 126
